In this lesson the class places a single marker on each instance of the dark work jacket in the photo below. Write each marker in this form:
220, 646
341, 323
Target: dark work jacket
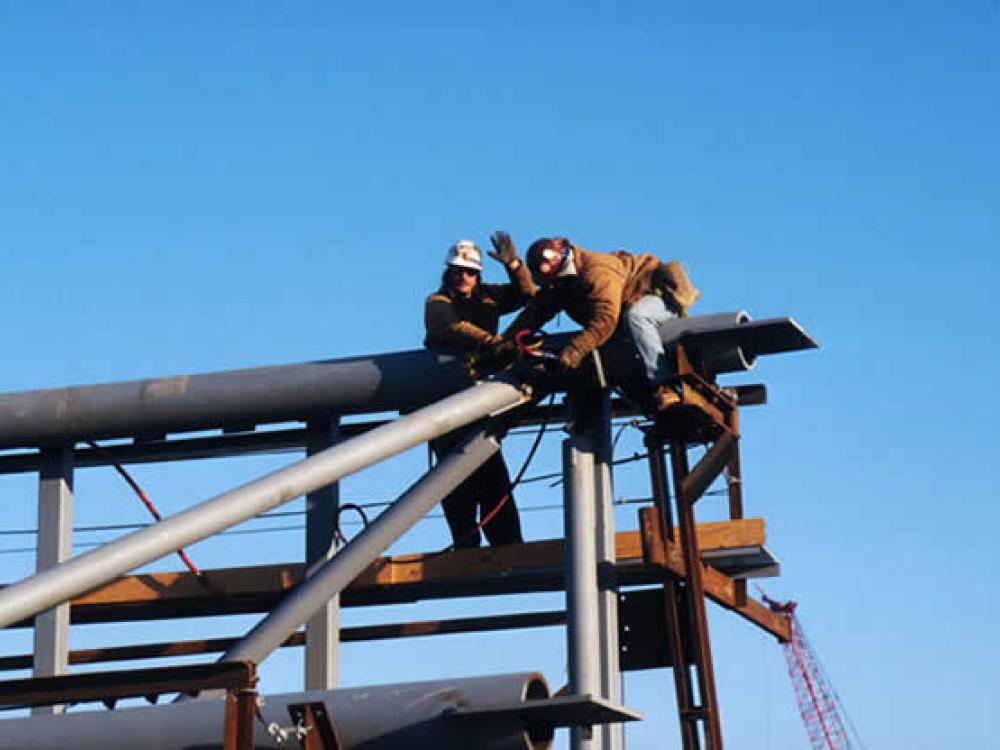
454, 322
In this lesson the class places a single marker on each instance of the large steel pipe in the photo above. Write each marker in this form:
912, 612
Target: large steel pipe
333, 576
73, 577
399, 381
382, 717
719, 344
386, 382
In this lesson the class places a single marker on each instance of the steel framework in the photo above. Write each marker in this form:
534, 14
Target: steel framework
607, 624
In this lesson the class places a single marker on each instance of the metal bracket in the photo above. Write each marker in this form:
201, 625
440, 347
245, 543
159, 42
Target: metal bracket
319, 732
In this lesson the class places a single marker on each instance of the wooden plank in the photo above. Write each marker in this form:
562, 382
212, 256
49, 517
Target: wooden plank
535, 566
719, 587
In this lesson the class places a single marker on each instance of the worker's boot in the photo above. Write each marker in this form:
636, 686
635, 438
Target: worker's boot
664, 398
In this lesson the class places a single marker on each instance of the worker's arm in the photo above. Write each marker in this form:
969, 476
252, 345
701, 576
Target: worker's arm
605, 298
540, 310
445, 328
516, 294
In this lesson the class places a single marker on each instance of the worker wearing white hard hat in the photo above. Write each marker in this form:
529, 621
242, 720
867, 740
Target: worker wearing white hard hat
463, 315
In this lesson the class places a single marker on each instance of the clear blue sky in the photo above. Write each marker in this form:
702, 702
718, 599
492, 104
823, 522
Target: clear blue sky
189, 186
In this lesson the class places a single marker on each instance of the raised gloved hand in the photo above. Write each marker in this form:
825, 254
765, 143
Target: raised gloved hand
504, 250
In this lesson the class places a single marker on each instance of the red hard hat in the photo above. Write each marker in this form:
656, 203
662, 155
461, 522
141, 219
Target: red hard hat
547, 256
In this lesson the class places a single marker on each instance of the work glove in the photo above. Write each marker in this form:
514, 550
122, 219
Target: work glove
504, 250
503, 351
569, 358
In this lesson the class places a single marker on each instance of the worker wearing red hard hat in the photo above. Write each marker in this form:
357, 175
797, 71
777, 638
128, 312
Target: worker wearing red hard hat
464, 314
595, 289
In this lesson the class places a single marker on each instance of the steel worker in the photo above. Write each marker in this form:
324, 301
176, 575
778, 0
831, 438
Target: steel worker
597, 290
464, 314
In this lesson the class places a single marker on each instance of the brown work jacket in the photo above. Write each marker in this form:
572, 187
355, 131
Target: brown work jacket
455, 322
594, 298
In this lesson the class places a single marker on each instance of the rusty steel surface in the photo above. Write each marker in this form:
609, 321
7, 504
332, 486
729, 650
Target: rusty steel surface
321, 734
707, 470
708, 711
109, 687
659, 520
241, 710
734, 490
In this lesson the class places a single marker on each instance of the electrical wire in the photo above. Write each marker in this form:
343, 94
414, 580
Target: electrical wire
492, 514
338, 534
545, 508
145, 501
359, 508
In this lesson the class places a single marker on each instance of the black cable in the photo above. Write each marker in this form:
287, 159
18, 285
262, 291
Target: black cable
510, 493
338, 534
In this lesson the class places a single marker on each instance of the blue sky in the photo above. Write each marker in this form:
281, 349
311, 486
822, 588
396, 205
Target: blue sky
186, 188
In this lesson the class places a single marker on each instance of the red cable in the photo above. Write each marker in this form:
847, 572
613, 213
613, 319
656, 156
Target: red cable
145, 501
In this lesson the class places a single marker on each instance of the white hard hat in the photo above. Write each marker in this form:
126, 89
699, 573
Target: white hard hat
464, 253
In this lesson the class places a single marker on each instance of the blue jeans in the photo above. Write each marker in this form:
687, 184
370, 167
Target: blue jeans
644, 317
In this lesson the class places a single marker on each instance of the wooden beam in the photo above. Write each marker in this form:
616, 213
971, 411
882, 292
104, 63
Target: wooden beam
719, 587
535, 566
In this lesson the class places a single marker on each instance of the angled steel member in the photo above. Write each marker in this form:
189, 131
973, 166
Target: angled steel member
330, 578
92, 569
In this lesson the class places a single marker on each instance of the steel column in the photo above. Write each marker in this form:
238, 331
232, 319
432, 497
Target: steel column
708, 712
672, 593
582, 592
73, 577
734, 487
321, 653
334, 575
241, 710
55, 544
613, 735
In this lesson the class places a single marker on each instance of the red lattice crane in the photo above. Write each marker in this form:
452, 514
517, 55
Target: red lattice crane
818, 703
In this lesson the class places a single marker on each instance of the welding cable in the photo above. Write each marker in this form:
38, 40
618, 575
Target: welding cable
337, 533
145, 501
634, 422
510, 493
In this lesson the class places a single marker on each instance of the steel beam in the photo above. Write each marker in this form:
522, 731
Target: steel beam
71, 578
400, 381
708, 709
286, 440
613, 734
234, 398
322, 520
313, 594
55, 544
591, 595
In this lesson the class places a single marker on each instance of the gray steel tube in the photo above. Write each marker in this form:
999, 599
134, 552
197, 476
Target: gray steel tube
378, 717
385, 382
582, 593
335, 574
719, 354
238, 399
73, 577
241, 398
